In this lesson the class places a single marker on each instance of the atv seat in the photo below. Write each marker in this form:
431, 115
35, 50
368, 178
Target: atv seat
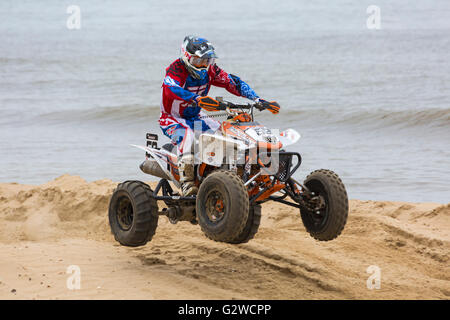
168, 147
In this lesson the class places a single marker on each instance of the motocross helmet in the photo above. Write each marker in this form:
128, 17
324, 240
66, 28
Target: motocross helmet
197, 54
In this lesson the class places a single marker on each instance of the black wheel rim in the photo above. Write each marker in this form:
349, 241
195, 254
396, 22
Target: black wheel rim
215, 206
318, 217
124, 213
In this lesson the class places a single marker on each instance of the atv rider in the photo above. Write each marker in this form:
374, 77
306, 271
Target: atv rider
187, 79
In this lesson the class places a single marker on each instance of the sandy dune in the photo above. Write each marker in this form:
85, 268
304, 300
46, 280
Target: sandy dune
44, 229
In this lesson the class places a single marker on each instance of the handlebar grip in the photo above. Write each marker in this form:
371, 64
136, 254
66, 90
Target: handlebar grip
259, 106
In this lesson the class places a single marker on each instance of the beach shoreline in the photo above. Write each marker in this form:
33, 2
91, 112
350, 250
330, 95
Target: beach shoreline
47, 229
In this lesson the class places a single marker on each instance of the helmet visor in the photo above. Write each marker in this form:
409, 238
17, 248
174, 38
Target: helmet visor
201, 62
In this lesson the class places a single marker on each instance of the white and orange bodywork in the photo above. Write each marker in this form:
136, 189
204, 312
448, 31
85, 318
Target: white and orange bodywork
236, 137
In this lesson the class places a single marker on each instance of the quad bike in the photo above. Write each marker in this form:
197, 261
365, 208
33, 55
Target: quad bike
232, 185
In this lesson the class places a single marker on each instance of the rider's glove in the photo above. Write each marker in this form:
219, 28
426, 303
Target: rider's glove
192, 110
259, 103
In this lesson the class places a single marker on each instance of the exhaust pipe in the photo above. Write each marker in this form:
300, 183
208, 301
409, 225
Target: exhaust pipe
151, 167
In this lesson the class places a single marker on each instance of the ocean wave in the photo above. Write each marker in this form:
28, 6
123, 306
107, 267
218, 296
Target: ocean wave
431, 117
125, 113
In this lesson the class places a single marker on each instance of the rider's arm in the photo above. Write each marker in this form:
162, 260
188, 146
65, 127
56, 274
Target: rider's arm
231, 83
172, 88
174, 81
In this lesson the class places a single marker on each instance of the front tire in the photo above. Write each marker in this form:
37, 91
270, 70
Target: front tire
133, 214
251, 226
327, 223
222, 206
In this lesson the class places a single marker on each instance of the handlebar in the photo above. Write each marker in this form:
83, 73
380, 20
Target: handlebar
211, 104
272, 106
223, 105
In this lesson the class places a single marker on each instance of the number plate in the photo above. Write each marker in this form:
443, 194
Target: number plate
152, 142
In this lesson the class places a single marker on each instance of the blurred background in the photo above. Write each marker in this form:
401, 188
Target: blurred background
372, 105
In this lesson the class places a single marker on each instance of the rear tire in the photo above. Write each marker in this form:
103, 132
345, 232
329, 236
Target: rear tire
330, 221
251, 227
222, 206
133, 214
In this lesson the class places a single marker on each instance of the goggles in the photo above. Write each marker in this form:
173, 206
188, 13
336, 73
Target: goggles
201, 62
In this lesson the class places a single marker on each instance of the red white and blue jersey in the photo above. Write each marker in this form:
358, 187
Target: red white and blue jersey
180, 89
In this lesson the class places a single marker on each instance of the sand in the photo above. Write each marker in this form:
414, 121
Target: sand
46, 229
